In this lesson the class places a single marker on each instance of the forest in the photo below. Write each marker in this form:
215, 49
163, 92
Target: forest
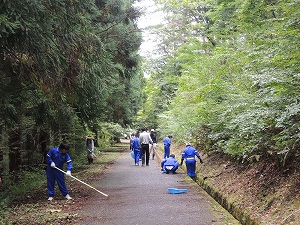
225, 78
68, 69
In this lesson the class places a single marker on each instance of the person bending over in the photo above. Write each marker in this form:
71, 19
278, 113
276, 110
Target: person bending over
189, 154
169, 165
56, 157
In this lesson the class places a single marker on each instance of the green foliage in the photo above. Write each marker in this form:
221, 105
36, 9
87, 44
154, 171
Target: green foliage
110, 132
31, 180
66, 68
66, 58
237, 77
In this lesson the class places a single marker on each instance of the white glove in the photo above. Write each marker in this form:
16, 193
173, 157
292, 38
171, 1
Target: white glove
68, 173
53, 165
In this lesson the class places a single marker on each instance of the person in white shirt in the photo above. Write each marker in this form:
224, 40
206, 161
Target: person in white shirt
144, 141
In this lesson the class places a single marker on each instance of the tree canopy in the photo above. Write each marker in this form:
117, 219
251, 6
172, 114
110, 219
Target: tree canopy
67, 68
228, 77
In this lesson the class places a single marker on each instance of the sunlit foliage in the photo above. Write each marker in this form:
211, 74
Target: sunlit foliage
237, 77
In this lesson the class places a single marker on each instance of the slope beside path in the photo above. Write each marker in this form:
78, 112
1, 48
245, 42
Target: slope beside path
138, 195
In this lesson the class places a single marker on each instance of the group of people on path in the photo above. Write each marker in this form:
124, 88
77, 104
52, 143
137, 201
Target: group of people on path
189, 154
144, 143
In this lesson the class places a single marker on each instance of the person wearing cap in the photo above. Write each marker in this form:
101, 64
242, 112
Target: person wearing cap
167, 145
169, 165
56, 158
90, 146
153, 146
189, 154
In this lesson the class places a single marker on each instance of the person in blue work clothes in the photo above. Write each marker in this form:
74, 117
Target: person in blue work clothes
136, 149
167, 145
189, 154
56, 157
169, 165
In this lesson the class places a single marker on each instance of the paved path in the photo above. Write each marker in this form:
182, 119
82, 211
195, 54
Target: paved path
138, 195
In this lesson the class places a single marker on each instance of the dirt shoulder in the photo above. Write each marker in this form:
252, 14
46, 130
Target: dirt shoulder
35, 209
266, 193
256, 193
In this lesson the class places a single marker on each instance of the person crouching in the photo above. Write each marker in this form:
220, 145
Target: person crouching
170, 165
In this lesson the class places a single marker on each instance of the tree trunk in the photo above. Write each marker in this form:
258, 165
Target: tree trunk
44, 142
14, 151
1, 167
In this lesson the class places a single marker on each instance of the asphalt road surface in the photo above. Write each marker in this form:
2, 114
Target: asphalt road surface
139, 196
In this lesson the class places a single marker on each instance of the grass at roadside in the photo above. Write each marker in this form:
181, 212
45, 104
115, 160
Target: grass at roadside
33, 207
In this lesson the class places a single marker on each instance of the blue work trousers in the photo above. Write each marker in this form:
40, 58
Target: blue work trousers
137, 156
191, 167
170, 168
55, 175
166, 151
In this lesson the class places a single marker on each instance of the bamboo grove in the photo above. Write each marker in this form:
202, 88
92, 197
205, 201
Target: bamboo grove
227, 78
67, 67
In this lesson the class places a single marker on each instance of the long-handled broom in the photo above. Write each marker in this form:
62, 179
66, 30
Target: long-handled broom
82, 182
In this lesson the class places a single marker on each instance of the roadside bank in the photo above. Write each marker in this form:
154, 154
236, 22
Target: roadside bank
255, 193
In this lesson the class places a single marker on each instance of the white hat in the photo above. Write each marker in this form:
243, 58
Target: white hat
188, 143
152, 129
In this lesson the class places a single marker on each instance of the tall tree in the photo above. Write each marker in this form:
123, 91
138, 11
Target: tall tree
61, 64
237, 67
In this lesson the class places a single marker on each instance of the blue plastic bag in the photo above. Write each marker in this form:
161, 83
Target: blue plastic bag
177, 191
132, 154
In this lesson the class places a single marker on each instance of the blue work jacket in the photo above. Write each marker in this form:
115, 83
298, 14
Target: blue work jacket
54, 155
